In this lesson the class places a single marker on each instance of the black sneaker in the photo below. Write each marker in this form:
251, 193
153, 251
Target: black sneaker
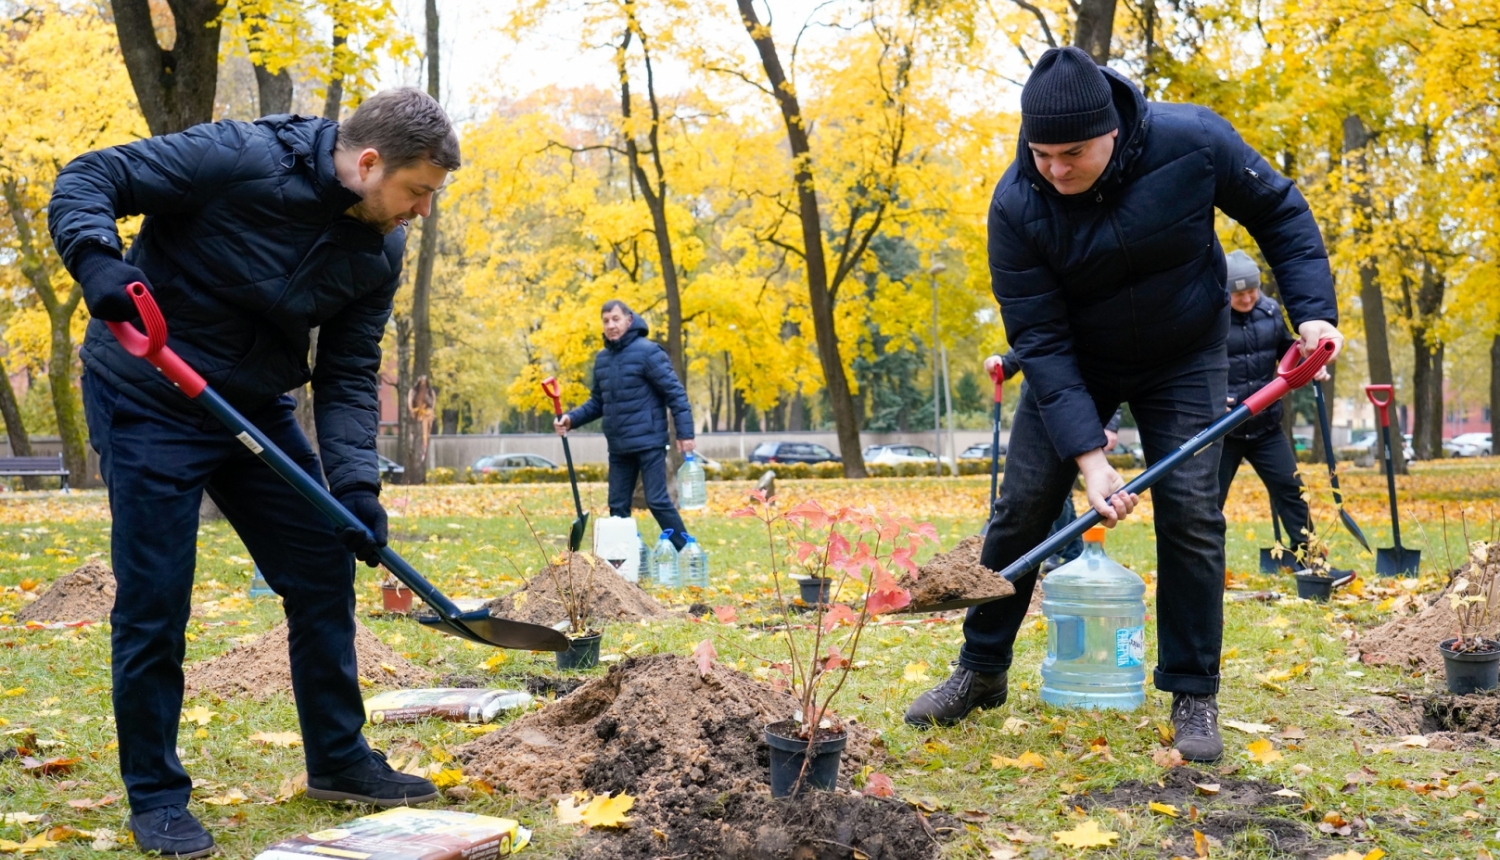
1195, 726
951, 701
372, 781
171, 831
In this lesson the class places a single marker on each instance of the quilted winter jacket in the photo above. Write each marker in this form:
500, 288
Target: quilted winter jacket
634, 386
1126, 276
247, 248
1257, 341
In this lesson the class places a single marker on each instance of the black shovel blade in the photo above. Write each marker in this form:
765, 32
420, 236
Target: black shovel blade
1269, 563
479, 626
1397, 561
961, 603
1353, 528
575, 536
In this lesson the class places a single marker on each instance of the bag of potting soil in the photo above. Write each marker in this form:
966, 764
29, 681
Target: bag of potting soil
444, 703
404, 833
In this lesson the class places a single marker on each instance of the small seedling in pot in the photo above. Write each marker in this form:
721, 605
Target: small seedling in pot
575, 591
1472, 598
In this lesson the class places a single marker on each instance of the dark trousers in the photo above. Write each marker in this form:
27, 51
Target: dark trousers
1271, 455
1171, 404
651, 466
157, 467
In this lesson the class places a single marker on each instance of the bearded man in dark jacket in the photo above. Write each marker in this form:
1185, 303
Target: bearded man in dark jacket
255, 233
1110, 279
634, 388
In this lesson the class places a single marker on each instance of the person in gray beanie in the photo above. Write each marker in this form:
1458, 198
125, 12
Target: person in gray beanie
1110, 278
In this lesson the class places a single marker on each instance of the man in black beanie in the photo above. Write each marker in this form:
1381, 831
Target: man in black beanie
1110, 279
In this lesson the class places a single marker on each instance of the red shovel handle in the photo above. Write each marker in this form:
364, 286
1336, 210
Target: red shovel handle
551, 389
152, 345
997, 373
1293, 372
1381, 403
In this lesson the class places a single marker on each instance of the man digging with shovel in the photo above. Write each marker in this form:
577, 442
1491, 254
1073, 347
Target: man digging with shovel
255, 233
1110, 279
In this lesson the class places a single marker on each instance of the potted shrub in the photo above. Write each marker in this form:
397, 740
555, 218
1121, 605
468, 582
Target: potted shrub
1315, 577
1471, 660
575, 591
858, 551
395, 597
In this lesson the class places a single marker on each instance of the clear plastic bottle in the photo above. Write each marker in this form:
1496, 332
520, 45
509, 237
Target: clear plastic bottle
645, 572
1096, 626
692, 561
664, 562
259, 587
692, 491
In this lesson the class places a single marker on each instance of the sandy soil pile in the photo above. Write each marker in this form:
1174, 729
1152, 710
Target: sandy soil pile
262, 667
1411, 641
955, 575
614, 599
86, 594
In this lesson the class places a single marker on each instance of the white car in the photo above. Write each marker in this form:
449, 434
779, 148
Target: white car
1370, 441
1470, 445
891, 455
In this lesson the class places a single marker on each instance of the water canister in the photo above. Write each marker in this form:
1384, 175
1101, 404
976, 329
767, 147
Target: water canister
692, 491
692, 562
1096, 632
617, 542
259, 587
664, 561
646, 572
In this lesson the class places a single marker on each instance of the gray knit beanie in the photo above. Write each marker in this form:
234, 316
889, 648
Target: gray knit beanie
1066, 99
1243, 273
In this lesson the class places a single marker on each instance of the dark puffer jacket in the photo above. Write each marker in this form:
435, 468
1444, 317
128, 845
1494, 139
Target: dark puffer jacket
1129, 274
634, 385
247, 248
1257, 341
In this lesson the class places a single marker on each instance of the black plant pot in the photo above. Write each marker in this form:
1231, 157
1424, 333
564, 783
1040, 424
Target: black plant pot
1314, 587
582, 653
1470, 671
814, 590
789, 752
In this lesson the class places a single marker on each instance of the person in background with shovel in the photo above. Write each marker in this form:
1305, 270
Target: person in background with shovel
255, 233
1110, 279
634, 387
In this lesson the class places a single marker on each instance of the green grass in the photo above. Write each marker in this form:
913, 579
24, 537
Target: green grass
55, 686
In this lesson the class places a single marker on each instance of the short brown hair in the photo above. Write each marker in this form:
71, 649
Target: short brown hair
405, 125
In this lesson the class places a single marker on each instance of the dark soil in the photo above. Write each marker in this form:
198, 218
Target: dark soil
1239, 807
86, 594
1447, 721
953, 575
614, 598
542, 686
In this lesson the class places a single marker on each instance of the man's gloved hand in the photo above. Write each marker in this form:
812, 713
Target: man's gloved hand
104, 277
365, 505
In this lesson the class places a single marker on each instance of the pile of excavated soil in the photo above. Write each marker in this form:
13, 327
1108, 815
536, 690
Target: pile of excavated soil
1411, 641
954, 575
614, 598
86, 594
262, 667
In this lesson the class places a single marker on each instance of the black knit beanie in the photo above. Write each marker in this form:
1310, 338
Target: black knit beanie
1066, 99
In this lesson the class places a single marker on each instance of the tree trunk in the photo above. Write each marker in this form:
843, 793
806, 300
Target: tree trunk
404, 424
15, 428
1427, 377
820, 298
274, 88
1372, 300
1095, 28
173, 86
421, 293
334, 98
1494, 390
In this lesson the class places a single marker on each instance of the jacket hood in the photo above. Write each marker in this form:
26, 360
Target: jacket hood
637, 329
309, 143
1135, 118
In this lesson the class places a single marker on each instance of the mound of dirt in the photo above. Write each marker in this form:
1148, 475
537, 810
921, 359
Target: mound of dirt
1411, 641
86, 594
614, 599
262, 667
955, 574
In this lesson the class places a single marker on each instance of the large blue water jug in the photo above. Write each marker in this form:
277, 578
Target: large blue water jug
692, 564
692, 487
259, 587
664, 562
1096, 632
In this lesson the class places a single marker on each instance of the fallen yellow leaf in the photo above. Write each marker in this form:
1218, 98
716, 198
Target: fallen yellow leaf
448, 777
230, 798
200, 715
1026, 761
915, 672
277, 739
608, 811
1200, 844
1086, 835
1163, 809
1263, 752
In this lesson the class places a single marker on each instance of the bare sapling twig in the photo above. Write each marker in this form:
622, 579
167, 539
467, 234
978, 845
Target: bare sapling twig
1472, 597
576, 602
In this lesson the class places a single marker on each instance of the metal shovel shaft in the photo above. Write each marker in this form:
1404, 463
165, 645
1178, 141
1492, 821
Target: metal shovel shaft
1333, 473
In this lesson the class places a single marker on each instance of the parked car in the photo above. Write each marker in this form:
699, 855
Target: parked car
1470, 445
792, 452
510, 463
1134, 452
1301, 442
980, 451
891, 455
1369, 440
390, 470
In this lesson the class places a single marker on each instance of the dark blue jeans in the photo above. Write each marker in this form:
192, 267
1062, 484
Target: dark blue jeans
1171, 404
1271, 455
157, 467
651, 466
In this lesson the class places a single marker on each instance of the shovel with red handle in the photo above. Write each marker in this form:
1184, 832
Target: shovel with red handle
575, 534
1397, 560
477, 626
997, 373
1290, 374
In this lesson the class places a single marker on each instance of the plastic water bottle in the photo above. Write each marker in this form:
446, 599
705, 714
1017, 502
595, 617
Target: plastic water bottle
646, 572
259, 587
692, 491
1096, 632
692, 561
664, 561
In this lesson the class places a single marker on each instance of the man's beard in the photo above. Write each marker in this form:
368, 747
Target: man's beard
364, 212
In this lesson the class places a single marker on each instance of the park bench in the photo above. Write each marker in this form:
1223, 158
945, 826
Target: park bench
30, 467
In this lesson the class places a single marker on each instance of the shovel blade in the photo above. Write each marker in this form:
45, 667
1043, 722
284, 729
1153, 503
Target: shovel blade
1269, 563
1353, 528
1397, 561
479, 626
575, 535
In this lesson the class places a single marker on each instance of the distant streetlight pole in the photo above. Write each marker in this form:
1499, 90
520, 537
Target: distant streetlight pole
937, 406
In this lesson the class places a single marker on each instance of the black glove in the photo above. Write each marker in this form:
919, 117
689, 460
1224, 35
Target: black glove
365, 505
104, 277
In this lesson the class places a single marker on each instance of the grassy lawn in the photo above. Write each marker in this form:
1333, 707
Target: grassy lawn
1287, 664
